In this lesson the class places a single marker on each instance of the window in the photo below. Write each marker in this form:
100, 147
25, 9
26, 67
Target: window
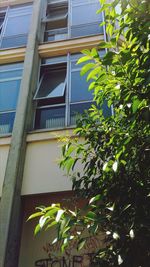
73, 18
2, 18
56, 21
15, 26
10, 78
62, 93
80, 97
50, 96
84, 20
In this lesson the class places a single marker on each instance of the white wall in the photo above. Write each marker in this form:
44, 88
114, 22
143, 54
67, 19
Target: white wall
41, 171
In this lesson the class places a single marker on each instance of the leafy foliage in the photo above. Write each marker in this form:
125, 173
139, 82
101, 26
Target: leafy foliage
115, 153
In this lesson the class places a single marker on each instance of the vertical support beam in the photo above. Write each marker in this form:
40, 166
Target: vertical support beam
10, 205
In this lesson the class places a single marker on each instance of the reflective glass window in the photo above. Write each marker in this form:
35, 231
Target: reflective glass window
17, 25
79, 88
53, 84
76, 110
6, 122
10, 74
10, 79
9, 94
84, 18
52, 117
56, 22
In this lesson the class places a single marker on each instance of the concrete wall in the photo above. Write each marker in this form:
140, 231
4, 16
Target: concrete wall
32, 248
4, 149
41, 171
35, 248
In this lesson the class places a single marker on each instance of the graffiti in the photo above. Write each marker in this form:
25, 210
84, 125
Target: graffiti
70, 257
85, 260
92, 245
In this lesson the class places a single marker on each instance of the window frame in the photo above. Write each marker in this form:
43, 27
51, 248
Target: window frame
71, 58
54, 61
10, 111
42, 77
8, 16
61, 30
70, 25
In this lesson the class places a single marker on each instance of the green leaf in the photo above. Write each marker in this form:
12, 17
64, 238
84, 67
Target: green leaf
93, 73
37, 229
34, 215
102, 2
110, 29
70, 150
96, 198
83, 59
116, 236
94, 53
91, 215
131, 234
105, 167
135, 104
50, 225
102, 24
105, 45
120, 260
59, 215
115, 166
86, 68
43, 220
81, 243
69, 164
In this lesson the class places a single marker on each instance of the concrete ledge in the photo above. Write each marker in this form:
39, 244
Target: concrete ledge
49, 135
69, 46
5, 3
51, 49
5, 140
42, 135
12, 55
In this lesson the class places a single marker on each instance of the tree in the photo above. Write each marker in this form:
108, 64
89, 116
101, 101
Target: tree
115, 153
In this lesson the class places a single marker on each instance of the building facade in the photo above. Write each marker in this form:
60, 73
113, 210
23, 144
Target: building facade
41, 92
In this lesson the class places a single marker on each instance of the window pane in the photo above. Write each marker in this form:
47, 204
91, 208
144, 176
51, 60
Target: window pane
53, 84
76, 110
57, 22
11, 66
14, 41
6, 122
20, 9
57, 13
84, 30
17, 25
2, 17
83, 24
79, 88
9, 94
50, 118
56, 35
10, 74
79, 13
54, 60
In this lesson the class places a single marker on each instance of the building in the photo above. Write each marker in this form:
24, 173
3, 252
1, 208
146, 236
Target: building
40, 94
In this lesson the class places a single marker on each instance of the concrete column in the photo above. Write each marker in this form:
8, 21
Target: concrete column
10, 205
